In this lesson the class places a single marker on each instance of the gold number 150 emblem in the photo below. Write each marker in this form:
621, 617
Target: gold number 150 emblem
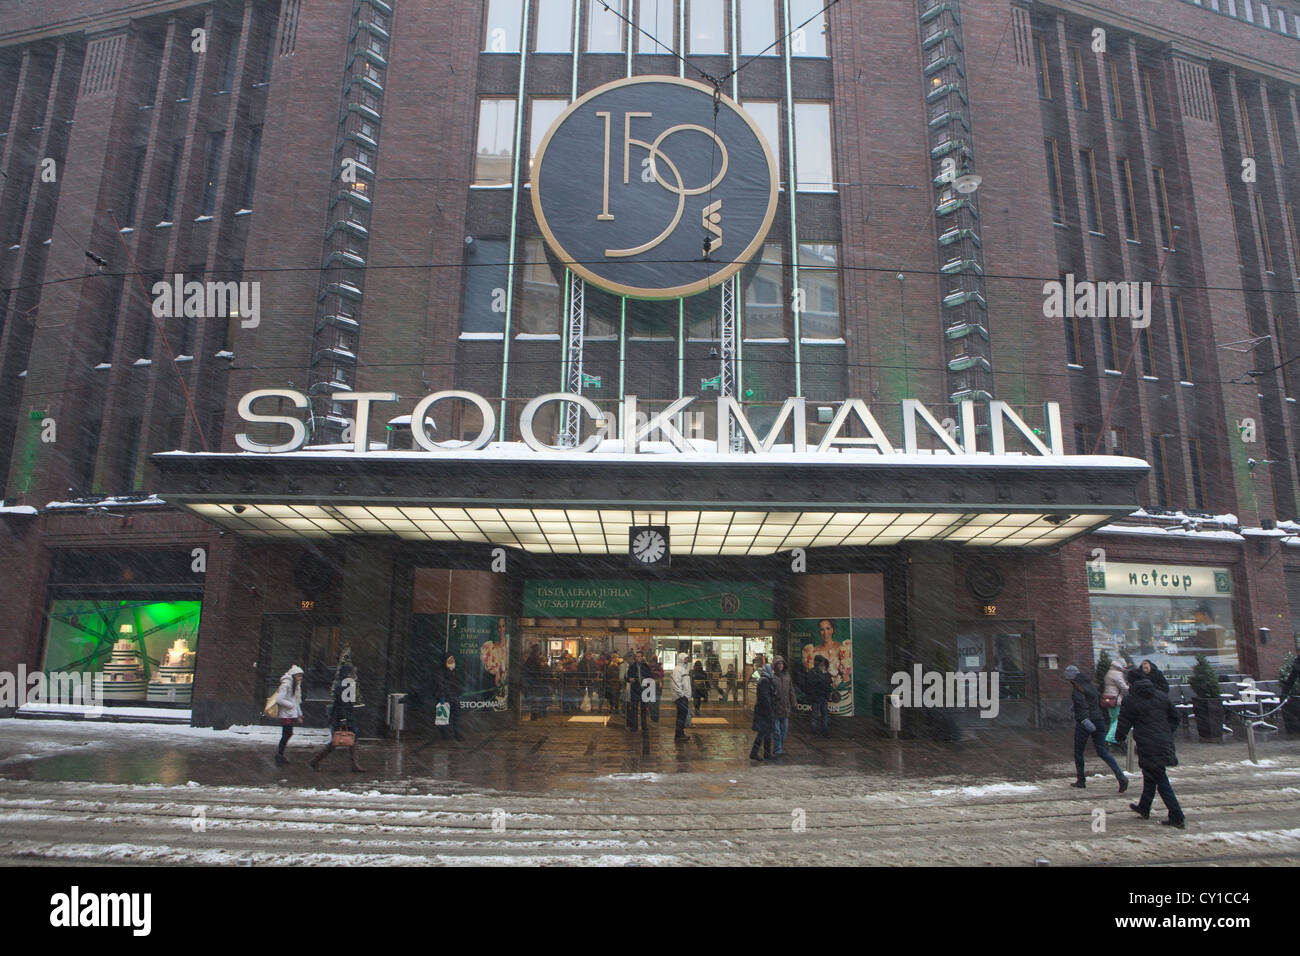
711, 218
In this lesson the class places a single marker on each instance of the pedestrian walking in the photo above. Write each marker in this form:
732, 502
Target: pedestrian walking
1114, 687
446, 690
820, 687
731, 683
699, 686
586, 681
682, 694
1157, 679
613, 683
535, 683
288, 700
640, 680
783, 704
345, 697
1149, 713
1089, 724
763, 715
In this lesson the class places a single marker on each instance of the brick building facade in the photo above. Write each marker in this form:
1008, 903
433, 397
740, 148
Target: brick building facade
367, 165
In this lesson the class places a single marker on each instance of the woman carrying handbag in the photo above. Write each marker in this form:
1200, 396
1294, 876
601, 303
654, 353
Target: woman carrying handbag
345, 697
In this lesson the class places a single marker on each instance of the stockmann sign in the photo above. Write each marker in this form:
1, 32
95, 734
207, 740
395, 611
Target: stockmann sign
665, 424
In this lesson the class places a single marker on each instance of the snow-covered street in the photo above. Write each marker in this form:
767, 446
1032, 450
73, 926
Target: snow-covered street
65, 798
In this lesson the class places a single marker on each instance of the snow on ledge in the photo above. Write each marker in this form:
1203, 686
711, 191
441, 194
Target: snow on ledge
110, 502
18, 510
1170, 532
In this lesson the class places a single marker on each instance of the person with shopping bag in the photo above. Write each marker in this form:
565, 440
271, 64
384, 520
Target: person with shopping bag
286, 706
345, 697
446, 696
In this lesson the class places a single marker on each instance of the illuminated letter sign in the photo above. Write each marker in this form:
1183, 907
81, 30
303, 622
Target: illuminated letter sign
638, 179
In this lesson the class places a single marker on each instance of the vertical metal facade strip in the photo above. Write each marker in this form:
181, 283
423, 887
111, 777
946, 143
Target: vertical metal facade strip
792, 192
514, 222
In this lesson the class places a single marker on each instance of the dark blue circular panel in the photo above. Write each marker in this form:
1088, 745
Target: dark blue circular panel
635, 177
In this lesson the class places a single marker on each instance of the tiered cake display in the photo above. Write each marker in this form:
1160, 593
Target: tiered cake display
174, 681
123, 676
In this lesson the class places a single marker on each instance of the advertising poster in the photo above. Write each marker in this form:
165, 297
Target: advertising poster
481, 646
854, 650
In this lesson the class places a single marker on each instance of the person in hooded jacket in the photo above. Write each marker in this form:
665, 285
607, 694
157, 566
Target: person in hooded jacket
783, 704
613, 683
1114, 687
1149, 713
682, 694
820, 686
345, 696
640, 684
446, 686
1157, 679
1089, 723
699, 686
288, 699
764, 715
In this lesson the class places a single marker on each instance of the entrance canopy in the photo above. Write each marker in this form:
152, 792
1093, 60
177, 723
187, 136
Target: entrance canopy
577, 503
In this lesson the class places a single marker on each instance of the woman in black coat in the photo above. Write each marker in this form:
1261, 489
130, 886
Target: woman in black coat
446, 687
764, 715
1152, 673
1151, 716
699, 686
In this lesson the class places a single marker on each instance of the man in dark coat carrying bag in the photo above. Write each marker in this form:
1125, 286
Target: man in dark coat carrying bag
1153, 720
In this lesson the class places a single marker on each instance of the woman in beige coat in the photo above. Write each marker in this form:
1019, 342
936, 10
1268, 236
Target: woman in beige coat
1114, 687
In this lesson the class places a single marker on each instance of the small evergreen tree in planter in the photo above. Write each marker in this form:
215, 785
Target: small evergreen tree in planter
1207, 706
1291, 708
1099, 676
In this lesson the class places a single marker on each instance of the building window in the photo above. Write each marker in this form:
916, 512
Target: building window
813, 147
1044, 69
1162, 198
1278, 144
1126, 196
252, 150
758, 31
1073, 345
1247, 134
1149, 94
1294, 234
810, 38
1263, 233
1182, 342
1092, 198
659, 19
706, 26
1081, 444
1116, 101
545, 112
604, 29
133, 185
211, 169
764, 302
187, 85
650, 320
496, 136
504, 26
486, 275
1144, 348
766, 114
1119, 441
1054, 182
543, 299
1283, 358
1077, 85
1159, 472
173, 180
819, 286
227, 80
1197, 464
111, 317
1109, 343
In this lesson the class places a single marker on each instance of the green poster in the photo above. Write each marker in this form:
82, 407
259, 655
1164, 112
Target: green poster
854, 651
481, 645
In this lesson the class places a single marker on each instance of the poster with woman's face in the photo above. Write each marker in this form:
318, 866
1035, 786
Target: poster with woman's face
830, 638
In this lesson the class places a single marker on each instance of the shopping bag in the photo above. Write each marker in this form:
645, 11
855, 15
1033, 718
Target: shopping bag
344, 738
272, 709
586, 702
442, 714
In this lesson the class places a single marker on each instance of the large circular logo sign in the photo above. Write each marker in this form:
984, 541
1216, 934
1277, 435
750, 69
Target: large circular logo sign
654, 188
